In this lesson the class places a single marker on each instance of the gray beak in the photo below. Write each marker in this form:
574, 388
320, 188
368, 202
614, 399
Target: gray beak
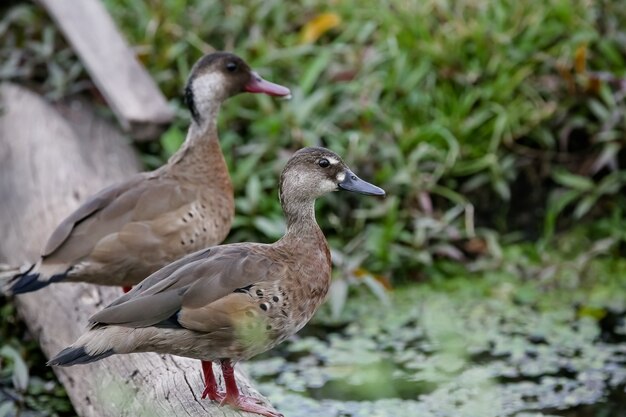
357, 185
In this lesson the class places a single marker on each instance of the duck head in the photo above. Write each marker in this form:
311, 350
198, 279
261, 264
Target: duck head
313, 172
220, 75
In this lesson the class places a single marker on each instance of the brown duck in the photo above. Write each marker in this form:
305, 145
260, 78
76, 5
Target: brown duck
231, 302
128, 231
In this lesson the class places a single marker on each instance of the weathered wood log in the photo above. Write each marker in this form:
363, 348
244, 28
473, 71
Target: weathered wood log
123, 81
47, 167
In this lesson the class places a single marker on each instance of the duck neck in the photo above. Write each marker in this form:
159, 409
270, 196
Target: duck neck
304, 238
206, 123
301, 223
201, 148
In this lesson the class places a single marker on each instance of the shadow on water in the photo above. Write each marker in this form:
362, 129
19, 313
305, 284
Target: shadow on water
613, 406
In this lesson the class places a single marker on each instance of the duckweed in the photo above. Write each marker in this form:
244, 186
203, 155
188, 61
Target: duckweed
437, 353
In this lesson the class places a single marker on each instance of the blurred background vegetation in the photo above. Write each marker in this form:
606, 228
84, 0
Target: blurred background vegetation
497, 129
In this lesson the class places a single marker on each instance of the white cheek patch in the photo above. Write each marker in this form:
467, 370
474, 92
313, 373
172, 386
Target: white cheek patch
207, 86
341, 176
326, 186
208, 92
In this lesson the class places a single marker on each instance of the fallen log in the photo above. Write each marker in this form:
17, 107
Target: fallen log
51, 160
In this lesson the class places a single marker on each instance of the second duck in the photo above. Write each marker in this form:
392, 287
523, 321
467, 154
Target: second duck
125, 232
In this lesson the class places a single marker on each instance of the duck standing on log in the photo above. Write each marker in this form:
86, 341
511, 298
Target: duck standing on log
231, 302
127, 231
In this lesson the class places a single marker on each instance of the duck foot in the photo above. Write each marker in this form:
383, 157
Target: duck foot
210, 384
250, 405
242, 402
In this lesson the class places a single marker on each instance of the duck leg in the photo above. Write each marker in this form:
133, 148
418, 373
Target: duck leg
238, 401
210, 385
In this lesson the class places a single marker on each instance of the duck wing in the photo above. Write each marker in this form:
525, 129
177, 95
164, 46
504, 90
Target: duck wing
142, 197
190, 284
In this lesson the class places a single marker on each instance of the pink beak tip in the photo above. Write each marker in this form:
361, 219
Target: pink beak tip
259, 85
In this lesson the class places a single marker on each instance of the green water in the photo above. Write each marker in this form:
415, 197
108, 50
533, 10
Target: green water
454, 354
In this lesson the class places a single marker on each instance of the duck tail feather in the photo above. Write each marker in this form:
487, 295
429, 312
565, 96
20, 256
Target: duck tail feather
27, 281
77, 355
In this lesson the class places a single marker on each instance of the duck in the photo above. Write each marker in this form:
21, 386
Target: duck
127, 231
231, 302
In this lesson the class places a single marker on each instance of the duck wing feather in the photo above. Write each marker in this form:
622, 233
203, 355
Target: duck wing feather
204, 278
143, 197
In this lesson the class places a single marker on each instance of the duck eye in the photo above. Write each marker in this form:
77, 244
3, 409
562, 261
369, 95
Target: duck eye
231, 67
324, 163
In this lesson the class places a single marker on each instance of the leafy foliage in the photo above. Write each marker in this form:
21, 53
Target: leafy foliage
27, 387
469, 114
32, 51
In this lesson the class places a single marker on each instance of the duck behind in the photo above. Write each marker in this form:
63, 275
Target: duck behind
127, 231
231, 302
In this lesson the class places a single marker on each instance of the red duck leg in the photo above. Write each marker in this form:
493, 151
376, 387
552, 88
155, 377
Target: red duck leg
210, 385
238, 401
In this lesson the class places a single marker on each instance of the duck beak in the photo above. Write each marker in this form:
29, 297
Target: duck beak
259, 85
353, 183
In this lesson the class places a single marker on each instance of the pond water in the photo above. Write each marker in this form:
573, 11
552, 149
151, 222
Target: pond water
459, 355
